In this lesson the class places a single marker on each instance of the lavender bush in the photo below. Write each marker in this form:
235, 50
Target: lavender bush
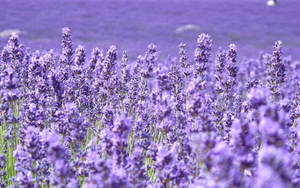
211, 120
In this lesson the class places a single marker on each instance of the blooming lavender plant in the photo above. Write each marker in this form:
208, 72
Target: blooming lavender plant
70, 120
276, 70
62, 174
31, 165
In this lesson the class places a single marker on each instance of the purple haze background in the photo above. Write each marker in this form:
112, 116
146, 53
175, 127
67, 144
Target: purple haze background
132, 25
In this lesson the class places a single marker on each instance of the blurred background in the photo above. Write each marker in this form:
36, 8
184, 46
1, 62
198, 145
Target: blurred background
131, 25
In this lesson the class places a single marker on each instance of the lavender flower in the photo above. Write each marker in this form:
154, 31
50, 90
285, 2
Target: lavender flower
202, 54
62, 173
66, 45
2, 170
276, 71
32, 169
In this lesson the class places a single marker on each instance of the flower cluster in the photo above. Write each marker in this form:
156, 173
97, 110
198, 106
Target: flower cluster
78, 120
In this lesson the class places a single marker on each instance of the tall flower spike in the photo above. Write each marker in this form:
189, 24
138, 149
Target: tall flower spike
2, 170
58, 156
231, 78
77, 126
15, 48
202, 53
219, 73
183, 59
4, 57
79, 55
122, 127
31, 167
109, 63
124, 60
276, 70
150, 59
232, 55
13, 53
95, 55
125, 77
66, 45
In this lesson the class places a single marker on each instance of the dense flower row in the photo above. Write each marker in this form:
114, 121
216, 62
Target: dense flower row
184, 122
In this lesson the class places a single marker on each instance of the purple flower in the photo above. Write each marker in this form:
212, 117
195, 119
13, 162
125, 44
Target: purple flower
66, 45
202, 54
274, 168
58, 156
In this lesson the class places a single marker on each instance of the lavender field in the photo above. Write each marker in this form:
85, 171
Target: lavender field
142, 94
